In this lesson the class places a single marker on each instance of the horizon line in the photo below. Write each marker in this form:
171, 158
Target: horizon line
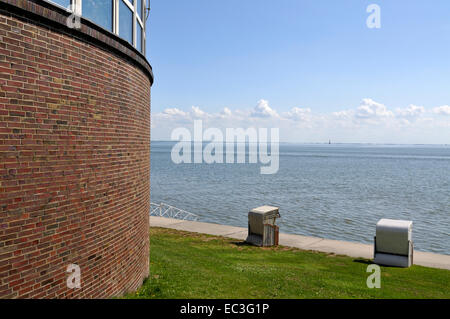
320, 143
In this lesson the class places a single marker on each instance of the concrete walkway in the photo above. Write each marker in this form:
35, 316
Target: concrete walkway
338, 247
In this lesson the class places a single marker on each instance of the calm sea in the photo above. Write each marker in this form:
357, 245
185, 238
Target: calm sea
336, 191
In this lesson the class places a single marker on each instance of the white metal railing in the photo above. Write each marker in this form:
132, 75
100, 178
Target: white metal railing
165, 210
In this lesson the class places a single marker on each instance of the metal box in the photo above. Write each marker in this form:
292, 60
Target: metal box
262, 230
393, 245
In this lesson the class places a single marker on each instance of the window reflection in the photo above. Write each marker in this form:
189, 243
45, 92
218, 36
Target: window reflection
104, 13
138, 37
99, 11
63, 3
125, 22
139, 9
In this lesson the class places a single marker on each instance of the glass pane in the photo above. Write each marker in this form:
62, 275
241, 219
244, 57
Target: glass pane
138, 37
99, 12
62, 3
125, 22
139, 9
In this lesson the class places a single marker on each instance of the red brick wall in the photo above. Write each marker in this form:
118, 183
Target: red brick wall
74, 165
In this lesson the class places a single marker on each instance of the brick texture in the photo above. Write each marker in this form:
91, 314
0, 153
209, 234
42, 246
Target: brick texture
74, 165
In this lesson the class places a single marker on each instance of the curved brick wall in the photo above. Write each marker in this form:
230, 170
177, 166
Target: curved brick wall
74, 164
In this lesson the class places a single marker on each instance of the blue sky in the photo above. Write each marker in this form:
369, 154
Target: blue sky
301, 64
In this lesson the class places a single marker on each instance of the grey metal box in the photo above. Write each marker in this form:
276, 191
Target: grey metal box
393, 245
262, 230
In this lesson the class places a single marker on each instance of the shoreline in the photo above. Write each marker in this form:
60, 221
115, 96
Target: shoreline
351, 249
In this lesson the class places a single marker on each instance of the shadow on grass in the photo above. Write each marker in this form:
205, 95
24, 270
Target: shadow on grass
363, 261
242, 243
370, 262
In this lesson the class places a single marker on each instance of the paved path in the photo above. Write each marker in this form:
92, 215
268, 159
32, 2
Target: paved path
338, 247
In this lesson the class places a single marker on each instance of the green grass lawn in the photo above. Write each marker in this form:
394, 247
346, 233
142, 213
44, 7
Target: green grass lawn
188, 265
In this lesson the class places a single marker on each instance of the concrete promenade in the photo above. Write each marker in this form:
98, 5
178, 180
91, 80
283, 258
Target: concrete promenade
338, 247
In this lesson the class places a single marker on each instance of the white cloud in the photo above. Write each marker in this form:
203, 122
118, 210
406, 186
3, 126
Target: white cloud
411, 111
369, 109
262, 109
371, 121
346, 114
197, 113
298, 114
442, 110
174, 112
226, 112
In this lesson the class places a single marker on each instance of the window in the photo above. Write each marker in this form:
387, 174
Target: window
99, 11
126, 18
125, 22
140, 9
62, 3
138, 37
140, 28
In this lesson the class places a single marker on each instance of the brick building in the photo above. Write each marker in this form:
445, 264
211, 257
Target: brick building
74, 147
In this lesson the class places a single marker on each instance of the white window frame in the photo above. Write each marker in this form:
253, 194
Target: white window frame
77, 5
